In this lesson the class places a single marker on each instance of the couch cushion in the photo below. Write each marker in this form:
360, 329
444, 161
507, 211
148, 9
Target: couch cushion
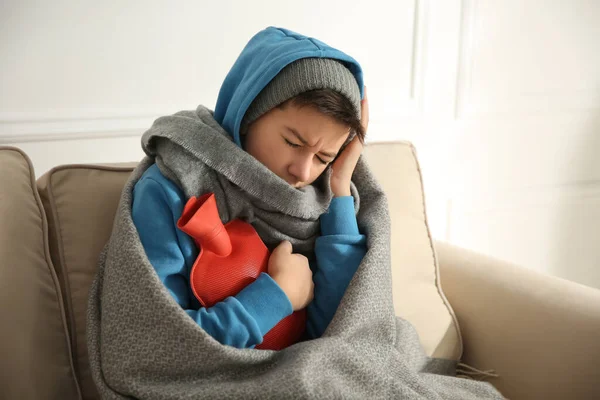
418, 295
80, 201
35, 354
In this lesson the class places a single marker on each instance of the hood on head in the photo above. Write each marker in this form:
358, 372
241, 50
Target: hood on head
265, 55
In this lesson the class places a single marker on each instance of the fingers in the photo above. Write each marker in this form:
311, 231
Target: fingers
346, 162
311, 295
364, 111
343, 167
284, 247
301, 257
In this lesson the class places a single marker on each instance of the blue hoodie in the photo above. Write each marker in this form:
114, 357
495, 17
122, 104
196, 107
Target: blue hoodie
242, 320
265, 55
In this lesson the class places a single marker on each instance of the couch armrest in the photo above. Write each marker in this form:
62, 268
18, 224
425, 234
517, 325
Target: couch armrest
541, 334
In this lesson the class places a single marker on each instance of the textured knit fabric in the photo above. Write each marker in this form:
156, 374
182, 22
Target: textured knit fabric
143, 345
242, 320
265, 55
301, 76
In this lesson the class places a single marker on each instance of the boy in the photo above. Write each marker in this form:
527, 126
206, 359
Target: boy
296, 127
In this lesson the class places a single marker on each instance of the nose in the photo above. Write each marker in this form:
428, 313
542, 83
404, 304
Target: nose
300, 168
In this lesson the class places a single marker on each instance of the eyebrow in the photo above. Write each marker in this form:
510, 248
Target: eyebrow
305, 142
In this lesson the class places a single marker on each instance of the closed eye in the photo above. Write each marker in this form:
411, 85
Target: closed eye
295, 146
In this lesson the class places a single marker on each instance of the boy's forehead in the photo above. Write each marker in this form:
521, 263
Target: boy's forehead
311, 118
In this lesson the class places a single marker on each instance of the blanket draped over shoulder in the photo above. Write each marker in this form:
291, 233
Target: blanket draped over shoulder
143, 345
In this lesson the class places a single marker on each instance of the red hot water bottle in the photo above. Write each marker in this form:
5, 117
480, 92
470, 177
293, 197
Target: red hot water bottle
231, 257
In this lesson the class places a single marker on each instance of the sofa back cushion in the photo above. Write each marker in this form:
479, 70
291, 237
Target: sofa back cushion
80, 202
418, 295
35, 354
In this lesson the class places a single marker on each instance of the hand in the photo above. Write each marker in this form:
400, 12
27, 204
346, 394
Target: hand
343, 167
292, 273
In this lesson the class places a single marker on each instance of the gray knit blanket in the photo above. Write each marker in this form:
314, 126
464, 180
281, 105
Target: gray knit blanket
143, 345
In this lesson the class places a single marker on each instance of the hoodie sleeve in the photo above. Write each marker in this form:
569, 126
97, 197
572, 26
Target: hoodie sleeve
239, 321
339, 251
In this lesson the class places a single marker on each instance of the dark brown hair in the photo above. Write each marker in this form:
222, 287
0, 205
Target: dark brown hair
333, 104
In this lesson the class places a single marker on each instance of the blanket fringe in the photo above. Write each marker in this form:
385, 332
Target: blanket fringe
467, 372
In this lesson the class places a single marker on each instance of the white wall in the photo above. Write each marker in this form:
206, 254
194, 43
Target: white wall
502, 99
526, 172
94, 69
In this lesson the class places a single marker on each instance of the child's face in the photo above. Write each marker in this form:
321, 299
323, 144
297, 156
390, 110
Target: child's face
296, 143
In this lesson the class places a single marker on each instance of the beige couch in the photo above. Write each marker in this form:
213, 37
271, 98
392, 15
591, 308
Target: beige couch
538, 334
